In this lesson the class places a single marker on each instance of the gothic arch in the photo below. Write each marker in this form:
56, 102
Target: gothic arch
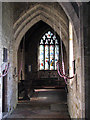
41, 12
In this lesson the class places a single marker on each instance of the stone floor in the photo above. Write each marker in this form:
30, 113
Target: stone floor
45, 104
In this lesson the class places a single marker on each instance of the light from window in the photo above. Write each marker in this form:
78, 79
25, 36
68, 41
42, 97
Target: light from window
51, 55
56, 53
41, 57
49, 51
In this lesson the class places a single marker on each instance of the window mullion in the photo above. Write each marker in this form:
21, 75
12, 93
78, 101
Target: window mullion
49, 51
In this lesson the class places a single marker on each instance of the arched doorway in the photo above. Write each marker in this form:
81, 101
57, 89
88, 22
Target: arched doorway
21, 29
42, 89
31, 76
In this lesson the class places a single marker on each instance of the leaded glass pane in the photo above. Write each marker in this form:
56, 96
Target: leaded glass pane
41, 57
51, 57
56, 55
56, 42
49, 35
44, 37
41, 42
46, 57
54, 37
49, 51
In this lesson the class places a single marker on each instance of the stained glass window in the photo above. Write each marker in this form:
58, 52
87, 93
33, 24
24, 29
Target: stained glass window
56, 53
46, 57
41, 55
51, 55
49, 51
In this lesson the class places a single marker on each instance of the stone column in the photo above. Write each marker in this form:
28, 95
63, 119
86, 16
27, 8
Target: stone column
70, 51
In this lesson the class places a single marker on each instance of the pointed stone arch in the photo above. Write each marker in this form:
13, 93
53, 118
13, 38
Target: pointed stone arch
40, 12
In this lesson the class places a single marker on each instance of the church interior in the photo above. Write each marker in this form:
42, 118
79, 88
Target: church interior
44, 63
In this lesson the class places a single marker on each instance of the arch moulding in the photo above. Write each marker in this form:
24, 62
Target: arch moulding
25, 22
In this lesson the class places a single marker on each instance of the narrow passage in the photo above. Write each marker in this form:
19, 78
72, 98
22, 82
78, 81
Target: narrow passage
45, 104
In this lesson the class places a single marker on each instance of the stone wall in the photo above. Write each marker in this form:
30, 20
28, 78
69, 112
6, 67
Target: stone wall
75, 93
7, 42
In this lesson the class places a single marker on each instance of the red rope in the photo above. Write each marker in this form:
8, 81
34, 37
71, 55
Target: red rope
6, 70
62, 73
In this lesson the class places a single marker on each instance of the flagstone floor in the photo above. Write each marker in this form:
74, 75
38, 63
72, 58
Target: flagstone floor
45, 104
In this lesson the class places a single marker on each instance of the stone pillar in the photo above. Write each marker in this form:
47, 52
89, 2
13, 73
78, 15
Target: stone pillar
70, 51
